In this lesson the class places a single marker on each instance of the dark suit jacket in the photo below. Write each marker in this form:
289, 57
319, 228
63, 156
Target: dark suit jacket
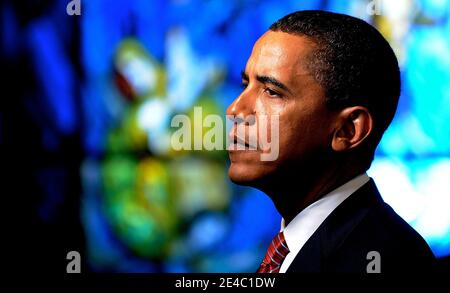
360, 224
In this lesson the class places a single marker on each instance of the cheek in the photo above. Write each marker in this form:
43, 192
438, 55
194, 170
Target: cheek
291, 139
302, 133
269, 106
270, 112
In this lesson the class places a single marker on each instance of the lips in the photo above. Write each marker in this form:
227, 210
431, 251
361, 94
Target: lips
245, 145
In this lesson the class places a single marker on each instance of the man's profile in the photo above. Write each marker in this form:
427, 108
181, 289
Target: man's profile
333, 82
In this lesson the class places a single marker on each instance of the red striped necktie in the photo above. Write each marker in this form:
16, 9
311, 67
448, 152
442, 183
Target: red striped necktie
275, 255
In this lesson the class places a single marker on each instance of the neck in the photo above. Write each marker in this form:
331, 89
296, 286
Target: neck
292, 194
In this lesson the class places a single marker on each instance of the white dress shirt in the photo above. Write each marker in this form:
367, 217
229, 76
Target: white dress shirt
300, 229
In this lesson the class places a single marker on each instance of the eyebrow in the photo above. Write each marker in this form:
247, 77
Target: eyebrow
267, 79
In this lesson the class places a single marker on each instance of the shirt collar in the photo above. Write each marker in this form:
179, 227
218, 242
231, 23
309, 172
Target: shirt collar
300, 229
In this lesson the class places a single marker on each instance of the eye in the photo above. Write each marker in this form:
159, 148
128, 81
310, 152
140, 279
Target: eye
272, 93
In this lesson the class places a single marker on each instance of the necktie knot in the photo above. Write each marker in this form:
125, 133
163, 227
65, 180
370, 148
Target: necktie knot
275, 255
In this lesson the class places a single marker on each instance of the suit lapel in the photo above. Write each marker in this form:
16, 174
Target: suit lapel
334, 230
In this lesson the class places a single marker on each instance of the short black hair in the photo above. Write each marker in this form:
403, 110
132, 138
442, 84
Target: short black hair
352, 61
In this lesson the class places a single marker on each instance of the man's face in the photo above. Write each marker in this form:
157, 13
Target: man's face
277, 83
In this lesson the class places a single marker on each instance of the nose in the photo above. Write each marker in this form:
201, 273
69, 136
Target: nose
242, 109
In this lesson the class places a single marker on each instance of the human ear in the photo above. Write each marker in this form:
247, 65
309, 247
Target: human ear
353, 126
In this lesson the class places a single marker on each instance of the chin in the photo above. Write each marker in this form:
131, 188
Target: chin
243, 174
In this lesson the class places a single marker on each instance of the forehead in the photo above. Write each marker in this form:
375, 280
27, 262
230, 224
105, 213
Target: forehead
279, 53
